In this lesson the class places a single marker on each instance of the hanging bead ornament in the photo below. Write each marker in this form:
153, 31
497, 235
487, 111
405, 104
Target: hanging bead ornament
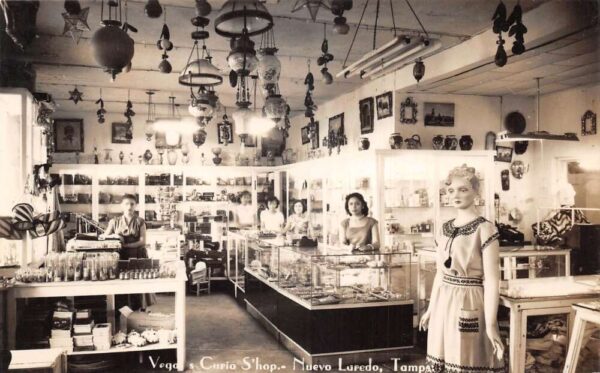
419, 70
112, 47
101, 111
164, 44
517, 29
309, 82
128, 114
500, 25
325, 58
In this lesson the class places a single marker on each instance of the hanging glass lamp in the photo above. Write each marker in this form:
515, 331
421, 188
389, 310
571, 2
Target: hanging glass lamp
237, 15
200, 71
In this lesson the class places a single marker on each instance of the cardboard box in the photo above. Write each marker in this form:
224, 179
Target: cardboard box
38, 361
140, 321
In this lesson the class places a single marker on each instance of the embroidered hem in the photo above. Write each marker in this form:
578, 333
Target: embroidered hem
437, 365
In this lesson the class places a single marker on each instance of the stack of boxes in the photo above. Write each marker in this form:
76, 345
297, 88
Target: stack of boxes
82, 331
60, 334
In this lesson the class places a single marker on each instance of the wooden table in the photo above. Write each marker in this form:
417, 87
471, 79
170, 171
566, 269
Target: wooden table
109, 289
542, 296
584, 313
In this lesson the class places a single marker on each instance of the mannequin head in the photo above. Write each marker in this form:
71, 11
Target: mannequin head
463, 187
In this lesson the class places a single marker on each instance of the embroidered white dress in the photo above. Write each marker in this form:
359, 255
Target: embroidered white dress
456, 339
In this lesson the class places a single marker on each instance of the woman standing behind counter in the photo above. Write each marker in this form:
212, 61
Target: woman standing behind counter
271, 219
130, 228
245, 214
298, 223
359, 231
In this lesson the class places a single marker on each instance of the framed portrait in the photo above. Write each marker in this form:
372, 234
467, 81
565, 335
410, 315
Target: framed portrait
273, 141
121, 133
336, 124
225, 133
439, 114
304, 135
503, 154
367, 113
384, 105
315, 139
68, 135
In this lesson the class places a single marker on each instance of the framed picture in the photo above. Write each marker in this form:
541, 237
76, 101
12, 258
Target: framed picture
315, 139
366, 115
384, 105
225, 133
336, 124
121, 133
273, 141
439, 114
68, 135
503, 154
304, 135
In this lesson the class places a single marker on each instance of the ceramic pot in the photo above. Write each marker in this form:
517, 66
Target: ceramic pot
413, 142
172, 157
466, 142
364, 143
396, 141
438, 142
450, 142
521, 147
217, 160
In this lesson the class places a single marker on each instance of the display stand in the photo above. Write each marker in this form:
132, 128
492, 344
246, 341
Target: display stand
565, 291
109, 289
585, 313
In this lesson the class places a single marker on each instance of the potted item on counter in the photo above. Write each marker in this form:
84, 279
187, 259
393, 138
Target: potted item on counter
450, 142
466, 142
172, 157
438, 142
413, 142
396, 141
217, 158
364, 143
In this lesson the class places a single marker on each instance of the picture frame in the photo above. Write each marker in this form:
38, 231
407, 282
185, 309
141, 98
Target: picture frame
408, 111
315, 139
503, 154
588, 123
385, 105
273, 141
366, 113
225, 133
304, 135
336, 124
121, 133
439, 114
68, 135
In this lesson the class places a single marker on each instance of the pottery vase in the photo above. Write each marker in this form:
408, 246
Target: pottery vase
396, 141
364, 143
438, 142
466, 142
147, 156
413, 142
172, 157
450, 142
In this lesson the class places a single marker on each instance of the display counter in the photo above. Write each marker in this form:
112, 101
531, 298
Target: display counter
541, 318
322, 302
108, 288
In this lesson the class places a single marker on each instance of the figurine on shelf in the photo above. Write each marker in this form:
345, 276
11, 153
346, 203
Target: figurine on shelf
147, 156
217, 158
96, 159
462, 315
121, 156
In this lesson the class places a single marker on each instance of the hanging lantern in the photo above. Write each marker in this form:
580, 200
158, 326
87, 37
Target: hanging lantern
149, 127
419, 70
241, 118
269, 66
237, 15
153, 9
242, 58
201, 71
112, 47
199, 137
275, 107
203, 8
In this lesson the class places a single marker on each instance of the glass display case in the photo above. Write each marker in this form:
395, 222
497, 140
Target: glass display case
322, 276
236, 260
75, 198
111, 188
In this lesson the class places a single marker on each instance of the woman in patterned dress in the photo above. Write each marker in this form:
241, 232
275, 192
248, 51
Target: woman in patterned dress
461, 319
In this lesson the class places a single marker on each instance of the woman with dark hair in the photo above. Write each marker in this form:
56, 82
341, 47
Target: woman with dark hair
359, 231
245, 214
272, 219
298, 222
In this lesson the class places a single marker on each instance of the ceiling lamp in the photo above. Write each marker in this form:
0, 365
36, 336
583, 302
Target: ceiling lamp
203, 104
338, 7
536, 135
269, 66
153, 9
112, 47
149, 127
275, 106
200, 71
241, 117
203, 8
239, 15
242, 58
313, 7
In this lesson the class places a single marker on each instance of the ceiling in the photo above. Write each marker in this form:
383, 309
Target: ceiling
565, 63
60, 63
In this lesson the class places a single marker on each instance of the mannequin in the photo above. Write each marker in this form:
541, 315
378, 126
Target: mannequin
461, 318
